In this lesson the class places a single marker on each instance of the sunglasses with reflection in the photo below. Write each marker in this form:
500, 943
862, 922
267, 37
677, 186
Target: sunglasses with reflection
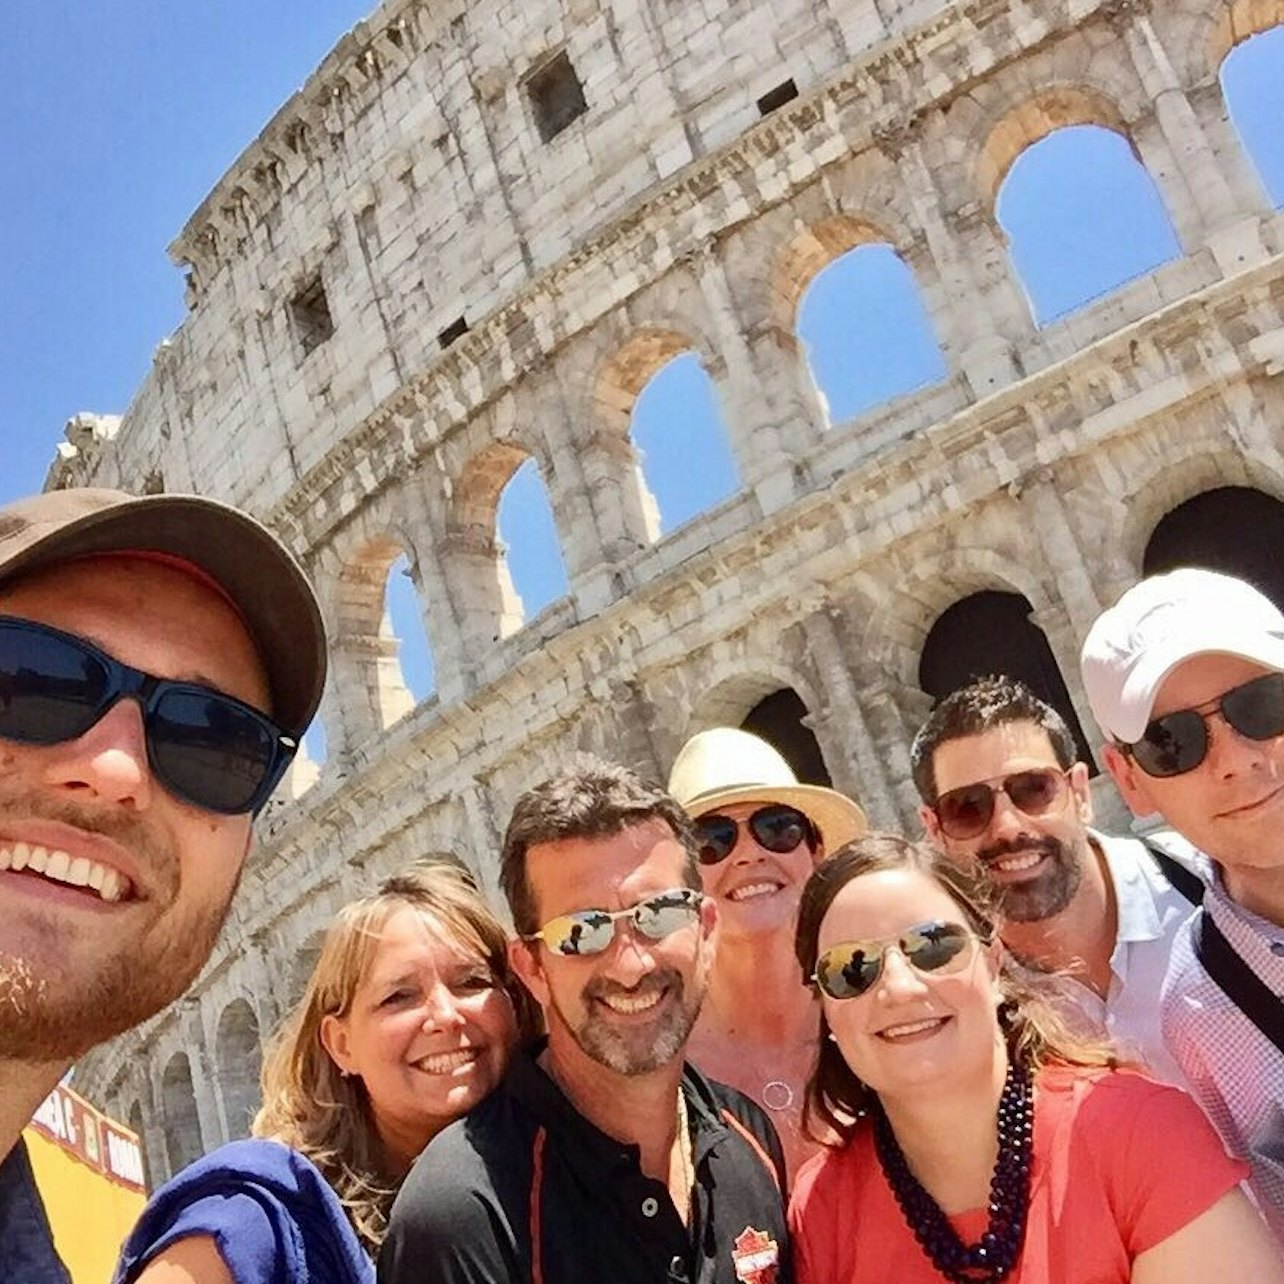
591, 931
851, 968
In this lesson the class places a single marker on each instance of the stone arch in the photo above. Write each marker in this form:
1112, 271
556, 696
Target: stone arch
1234, 23
1175, 476
992, 632
134, 1119
488, 604
364, 636
1235, 529
239, 1057
812, 249
772, 704
1032, 120
183, 1142
860, 356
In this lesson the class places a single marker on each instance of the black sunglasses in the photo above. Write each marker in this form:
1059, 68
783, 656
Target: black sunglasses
967, 811
849, 969
207, 748
1178, 742
776, 828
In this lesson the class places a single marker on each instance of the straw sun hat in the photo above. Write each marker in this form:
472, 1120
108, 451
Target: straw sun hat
724, 765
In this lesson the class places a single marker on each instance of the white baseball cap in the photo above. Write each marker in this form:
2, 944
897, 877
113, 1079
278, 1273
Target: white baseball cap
1162, 621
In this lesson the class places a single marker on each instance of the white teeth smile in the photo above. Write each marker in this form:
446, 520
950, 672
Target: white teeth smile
1021, 861
75, 871
912, 1027
630, 1003
753, 889
445, 1062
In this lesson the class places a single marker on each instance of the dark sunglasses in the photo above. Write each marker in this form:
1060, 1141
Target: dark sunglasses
776, 828
207, 748
848, 970
1178, 742
591, 931
967, 811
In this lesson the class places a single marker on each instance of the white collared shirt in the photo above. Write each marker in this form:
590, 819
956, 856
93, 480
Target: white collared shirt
1149, 915
1235, 1072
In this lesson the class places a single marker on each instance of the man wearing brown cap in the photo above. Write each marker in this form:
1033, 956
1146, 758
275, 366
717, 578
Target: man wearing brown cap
760, 835
159, 660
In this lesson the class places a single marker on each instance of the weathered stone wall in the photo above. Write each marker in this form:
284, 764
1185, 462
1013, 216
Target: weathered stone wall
409, 177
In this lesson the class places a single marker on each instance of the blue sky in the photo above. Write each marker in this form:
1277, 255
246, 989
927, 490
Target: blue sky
121, 117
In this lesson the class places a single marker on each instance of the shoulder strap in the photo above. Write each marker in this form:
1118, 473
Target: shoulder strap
1184, 879
1237, 980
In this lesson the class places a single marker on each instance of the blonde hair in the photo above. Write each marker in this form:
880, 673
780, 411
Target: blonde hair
1034, 1031
307, 1103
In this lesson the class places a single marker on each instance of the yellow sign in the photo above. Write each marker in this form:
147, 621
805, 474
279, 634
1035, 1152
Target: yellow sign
89, 1171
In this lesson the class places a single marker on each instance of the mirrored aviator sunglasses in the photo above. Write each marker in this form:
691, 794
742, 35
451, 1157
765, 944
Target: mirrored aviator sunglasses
776, 828
206, 748
1177, 742
967, 811
591, 931
850, 969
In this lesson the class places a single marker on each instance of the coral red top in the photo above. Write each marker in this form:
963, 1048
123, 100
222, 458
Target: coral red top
1120, 1163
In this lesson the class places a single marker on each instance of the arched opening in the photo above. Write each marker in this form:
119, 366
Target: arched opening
992, 633
1234, 529
405, 617
183, 1144
681, 440
135, 1122
1252, 77
778, 719
239, 1057
528, 543
1082, 217
866, 332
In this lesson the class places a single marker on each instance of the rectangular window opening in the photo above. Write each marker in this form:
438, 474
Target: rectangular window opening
556, 96
452, 333
310, 312
776, 98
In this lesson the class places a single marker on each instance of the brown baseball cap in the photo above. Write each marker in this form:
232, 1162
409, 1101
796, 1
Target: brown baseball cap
245, 560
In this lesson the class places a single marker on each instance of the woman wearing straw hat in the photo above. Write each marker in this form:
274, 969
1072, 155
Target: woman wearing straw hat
761, 834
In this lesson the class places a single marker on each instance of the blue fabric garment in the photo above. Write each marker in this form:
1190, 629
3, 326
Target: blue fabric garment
272, 1214
26, 1245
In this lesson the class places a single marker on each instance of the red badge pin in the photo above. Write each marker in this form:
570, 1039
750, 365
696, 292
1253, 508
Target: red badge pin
756, 1256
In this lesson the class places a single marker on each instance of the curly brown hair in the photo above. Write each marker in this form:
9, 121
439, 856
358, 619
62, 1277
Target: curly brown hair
1035, 1032
307, 1103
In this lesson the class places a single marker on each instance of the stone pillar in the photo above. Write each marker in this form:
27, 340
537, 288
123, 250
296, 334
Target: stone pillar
1177, 154
773, 414
856, 764
894, 713
207, 1087
979, 311
485, 839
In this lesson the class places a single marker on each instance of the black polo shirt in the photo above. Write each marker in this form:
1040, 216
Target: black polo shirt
526, 1191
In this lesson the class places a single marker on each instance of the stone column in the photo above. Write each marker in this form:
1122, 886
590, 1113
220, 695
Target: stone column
858, 767
1178, 156
979, 312
773, 413
894, 713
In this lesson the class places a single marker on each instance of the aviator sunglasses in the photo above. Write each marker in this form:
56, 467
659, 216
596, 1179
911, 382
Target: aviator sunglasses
849, 969
206, 748
1178, 742
776, 828
967, 811
591, 931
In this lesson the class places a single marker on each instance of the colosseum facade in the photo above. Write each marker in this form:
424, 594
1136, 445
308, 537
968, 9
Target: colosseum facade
472, 238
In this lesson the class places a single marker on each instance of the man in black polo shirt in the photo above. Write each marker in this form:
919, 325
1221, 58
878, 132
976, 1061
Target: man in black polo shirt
601, 1155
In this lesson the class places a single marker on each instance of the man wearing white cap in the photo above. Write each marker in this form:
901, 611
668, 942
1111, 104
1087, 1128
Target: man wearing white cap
1185, 674
760, 834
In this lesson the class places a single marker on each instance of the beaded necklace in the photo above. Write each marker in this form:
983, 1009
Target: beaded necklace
686, 1158
993, 1256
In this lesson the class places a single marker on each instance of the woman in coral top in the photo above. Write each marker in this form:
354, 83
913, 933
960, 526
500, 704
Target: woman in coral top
980, 1140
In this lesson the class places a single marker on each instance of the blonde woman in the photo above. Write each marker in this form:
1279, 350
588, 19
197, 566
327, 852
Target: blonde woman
979, 1141
407, 1023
